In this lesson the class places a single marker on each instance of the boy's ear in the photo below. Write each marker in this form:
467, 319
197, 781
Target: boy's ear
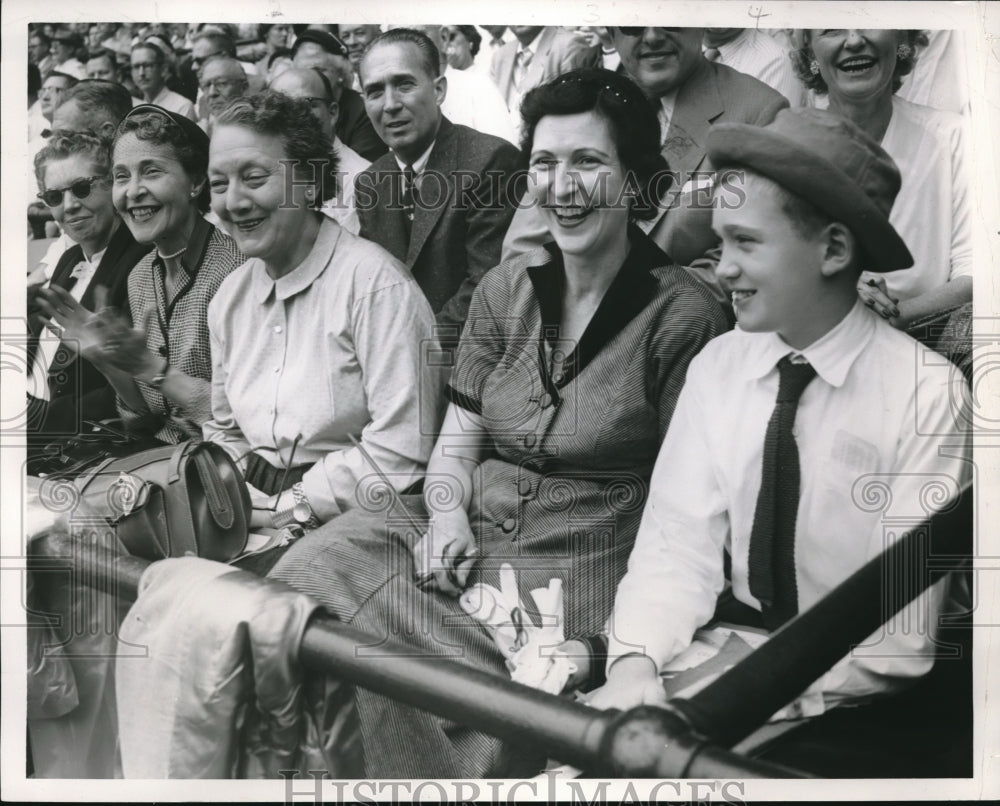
839, 249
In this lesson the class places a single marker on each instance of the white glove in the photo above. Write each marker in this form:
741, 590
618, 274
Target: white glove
530, 650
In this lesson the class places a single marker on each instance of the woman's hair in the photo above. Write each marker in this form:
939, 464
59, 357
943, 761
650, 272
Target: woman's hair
63, 144
161, 129
802, 59
291, 121
634, 125
472, 35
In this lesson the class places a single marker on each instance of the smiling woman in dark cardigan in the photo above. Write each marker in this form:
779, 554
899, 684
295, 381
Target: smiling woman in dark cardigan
565, 381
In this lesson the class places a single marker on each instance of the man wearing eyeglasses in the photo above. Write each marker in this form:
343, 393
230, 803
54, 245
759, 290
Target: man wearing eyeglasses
691, 94
221, 80
313, 86
150, 72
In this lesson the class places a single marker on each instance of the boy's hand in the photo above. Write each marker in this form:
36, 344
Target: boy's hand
632, 680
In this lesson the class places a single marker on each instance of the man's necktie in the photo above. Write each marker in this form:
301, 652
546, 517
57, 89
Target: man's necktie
521, 68
771, 562
408, 208
712, 54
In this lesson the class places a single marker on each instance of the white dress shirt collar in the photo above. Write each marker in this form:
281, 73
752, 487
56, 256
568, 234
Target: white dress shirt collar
831, 355
303, 275
532, 45
419, 163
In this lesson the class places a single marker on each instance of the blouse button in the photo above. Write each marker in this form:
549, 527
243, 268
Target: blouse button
558, 377
508, 525
545, 400
524, 487
529, 440
277, 328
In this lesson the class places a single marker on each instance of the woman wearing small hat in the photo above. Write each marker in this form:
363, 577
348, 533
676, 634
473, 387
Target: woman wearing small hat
861, 70
158, 359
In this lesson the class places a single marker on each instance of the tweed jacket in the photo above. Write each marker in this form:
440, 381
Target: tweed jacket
463, 207
714, 94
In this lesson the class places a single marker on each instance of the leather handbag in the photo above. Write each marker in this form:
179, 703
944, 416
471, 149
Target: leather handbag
172, 501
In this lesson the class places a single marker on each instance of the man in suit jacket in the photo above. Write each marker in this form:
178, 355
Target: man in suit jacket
77, 390
692, 94
442, 199
537, 55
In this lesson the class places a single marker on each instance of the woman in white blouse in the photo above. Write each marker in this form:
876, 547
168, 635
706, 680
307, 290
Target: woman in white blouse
320, 338
861, 69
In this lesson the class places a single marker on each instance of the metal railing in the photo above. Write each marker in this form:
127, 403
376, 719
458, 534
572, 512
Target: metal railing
688, 738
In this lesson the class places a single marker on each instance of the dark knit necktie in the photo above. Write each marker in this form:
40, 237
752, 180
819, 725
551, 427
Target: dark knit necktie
408, 177
771, 562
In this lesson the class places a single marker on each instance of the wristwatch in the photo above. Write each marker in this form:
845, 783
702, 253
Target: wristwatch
300, 512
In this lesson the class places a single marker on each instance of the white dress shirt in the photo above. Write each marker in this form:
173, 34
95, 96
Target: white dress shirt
175, 102
341, 206
337, 347
873, 429
932, 210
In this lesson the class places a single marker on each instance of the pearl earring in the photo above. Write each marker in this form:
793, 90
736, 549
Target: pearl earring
904, 52
814, 67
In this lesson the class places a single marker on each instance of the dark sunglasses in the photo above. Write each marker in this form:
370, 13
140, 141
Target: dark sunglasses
636, 30
53, 197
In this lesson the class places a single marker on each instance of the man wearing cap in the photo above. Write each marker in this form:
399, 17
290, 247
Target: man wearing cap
799, 433
439, 201
314, 48
691, 95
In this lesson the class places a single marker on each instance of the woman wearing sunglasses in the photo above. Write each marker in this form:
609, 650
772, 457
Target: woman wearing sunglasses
74, 180
321, 341
157, 354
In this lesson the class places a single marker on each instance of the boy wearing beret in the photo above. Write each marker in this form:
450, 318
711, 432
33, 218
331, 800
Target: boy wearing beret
802, 433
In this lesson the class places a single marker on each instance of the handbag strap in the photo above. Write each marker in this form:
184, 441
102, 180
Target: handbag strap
216, 494
176, 458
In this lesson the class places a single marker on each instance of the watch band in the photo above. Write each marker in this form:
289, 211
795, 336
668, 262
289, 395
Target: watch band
302, 501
